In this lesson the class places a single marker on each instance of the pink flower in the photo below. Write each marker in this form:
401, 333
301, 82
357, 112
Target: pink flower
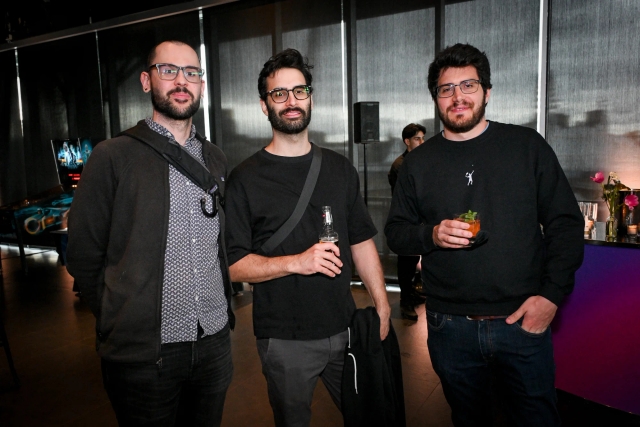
599, 178
631, 200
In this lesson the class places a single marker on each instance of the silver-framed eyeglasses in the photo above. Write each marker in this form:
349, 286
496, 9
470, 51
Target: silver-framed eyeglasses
280, 94
170, 72
466, 87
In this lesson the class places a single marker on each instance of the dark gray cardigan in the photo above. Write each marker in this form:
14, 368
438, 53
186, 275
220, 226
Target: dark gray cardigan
118, 226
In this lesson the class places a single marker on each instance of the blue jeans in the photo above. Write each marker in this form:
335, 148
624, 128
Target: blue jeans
186, 387
479, 359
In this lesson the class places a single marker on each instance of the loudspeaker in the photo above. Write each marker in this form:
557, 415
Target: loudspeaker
366, 122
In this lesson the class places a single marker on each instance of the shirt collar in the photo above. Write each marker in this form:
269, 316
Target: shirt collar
158, 128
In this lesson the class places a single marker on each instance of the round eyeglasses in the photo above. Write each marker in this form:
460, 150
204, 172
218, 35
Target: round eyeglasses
170, 72
280, 94
466, 87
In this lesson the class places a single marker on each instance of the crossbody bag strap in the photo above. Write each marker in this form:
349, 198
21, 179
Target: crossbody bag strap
177, 156
309, 185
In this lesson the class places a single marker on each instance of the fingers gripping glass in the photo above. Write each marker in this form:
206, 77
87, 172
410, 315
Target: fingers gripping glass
170, 72
280, 94
466, 86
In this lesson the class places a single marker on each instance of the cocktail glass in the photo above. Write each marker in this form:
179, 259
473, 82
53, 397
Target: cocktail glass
471, 218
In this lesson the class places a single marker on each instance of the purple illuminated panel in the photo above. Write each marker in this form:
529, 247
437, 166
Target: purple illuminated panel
597, 331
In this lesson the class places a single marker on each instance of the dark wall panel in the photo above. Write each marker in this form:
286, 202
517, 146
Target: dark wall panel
123, 56
13, 184
61, 99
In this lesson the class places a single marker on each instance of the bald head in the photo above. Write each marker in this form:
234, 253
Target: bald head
162, 46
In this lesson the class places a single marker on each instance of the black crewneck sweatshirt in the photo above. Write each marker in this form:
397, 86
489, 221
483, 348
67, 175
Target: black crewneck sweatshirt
512, 178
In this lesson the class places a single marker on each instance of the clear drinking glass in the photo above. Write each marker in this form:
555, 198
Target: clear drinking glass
471, 218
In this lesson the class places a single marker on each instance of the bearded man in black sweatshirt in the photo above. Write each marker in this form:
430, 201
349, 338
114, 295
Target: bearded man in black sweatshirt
491, 298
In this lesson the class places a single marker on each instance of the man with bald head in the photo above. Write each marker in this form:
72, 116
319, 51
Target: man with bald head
146, 251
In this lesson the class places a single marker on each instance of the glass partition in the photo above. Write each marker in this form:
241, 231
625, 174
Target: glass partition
12, 172
593, 120
243, 38
509, 36
314, 28
394, 48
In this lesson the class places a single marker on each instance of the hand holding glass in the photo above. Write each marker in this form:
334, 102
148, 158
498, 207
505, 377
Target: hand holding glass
471, 218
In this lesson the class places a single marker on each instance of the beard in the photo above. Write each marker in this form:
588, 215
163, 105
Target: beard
461, 125
162, 104
289, 127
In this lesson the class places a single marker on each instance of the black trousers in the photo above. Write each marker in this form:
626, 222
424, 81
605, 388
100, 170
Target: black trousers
187, 386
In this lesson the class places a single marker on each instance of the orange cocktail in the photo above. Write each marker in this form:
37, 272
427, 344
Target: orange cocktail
471, 218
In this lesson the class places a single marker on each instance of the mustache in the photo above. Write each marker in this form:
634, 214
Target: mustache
461, 103
181, 89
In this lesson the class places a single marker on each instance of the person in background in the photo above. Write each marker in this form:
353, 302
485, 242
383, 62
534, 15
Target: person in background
490, 301
302, 302
412, 137
146, 251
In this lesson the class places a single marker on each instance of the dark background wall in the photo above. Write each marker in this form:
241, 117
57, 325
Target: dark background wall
61, 99
13, 184
88, 84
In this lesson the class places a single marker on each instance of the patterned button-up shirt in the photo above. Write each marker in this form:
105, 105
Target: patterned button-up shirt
192, 289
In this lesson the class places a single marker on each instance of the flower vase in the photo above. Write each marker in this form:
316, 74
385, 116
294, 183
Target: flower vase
612, 227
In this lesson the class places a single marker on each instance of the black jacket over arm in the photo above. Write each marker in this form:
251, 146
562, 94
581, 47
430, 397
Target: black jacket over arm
372, 393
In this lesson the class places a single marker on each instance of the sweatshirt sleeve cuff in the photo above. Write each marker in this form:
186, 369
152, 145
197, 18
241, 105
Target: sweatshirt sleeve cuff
428, 243
552, 293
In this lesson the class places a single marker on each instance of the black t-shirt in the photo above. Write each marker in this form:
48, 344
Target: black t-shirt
262, 192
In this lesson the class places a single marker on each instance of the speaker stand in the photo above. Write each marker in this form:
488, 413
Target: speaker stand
364, 158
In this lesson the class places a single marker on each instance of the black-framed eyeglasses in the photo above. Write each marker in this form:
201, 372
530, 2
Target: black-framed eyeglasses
170, 72
280, 94
466, 87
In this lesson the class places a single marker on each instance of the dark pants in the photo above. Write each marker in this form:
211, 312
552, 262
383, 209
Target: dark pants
292, 368
186, 387
477, 359
406, 273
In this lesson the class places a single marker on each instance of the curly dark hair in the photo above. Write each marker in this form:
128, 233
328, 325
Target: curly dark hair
288, 58
457, 56
411, 130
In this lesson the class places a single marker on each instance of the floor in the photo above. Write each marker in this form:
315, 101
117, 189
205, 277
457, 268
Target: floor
51, 333
51, 336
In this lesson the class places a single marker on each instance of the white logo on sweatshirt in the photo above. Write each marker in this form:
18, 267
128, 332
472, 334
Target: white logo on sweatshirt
469, 176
